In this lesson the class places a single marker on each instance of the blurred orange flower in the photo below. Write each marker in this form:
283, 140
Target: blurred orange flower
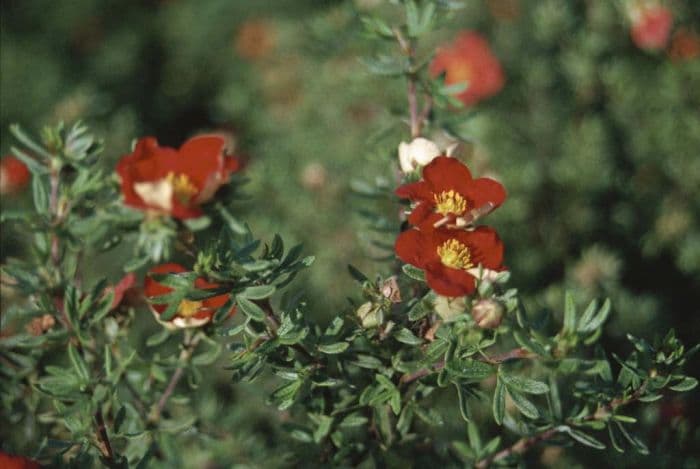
14, 175
651, 26
8, 461
255, 39
176, 182
685, 45
469, 60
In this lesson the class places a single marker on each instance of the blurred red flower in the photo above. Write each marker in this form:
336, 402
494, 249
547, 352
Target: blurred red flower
685, 45
189, 313
8, 461
14, 175
651, 26
447, 190
469, 60
451, 258
175, 182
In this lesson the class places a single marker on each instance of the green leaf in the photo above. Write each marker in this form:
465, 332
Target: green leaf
569, 313
354, 420
429, 416
405, 336
324, 426
685, 384
413, 272
526, 385
40, 195
636, 443
356, 274
412, 18
587, 315
250, 309
596, 321
499, 401
582, 437
474, 437
524, 405
158, 338
78, 364
468, 369
258, 292
208, 357
613, 440
332, 349
462, 401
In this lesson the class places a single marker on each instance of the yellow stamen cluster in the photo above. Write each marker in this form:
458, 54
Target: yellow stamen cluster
450, 202
182, 185
455, 255
188, 308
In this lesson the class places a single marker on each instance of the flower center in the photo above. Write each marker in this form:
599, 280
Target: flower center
450, 202
455, 255
182, 185
188, 308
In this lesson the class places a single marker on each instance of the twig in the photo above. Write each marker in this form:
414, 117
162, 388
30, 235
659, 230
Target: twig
524, 444
416, 119
273, 325
187, 350
103, 439
519, 447
494, 360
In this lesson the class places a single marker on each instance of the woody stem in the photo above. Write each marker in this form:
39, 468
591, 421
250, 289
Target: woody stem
189, 344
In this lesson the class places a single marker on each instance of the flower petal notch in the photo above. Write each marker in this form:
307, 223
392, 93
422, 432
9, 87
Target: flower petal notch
163, 180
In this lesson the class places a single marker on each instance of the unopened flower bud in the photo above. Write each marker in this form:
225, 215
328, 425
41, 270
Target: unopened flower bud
419, 152
390, 290
449, 309
487, 313
370, 315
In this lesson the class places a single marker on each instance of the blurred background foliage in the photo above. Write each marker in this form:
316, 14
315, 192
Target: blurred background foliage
597, 141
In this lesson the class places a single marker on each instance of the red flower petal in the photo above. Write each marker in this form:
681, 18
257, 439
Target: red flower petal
484, 190
485, 246
415, 191
201, 158
449, 282
9, 461
445, 173
410, 247
423, 215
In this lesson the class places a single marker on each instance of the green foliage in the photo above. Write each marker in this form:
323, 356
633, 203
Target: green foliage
388, 380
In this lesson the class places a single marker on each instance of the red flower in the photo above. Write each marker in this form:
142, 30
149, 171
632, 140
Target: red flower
685, 45
448, 191
172, 181
8, 461
189, 313
451, 258
14, 175
120, 289
469, 60
651, 27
